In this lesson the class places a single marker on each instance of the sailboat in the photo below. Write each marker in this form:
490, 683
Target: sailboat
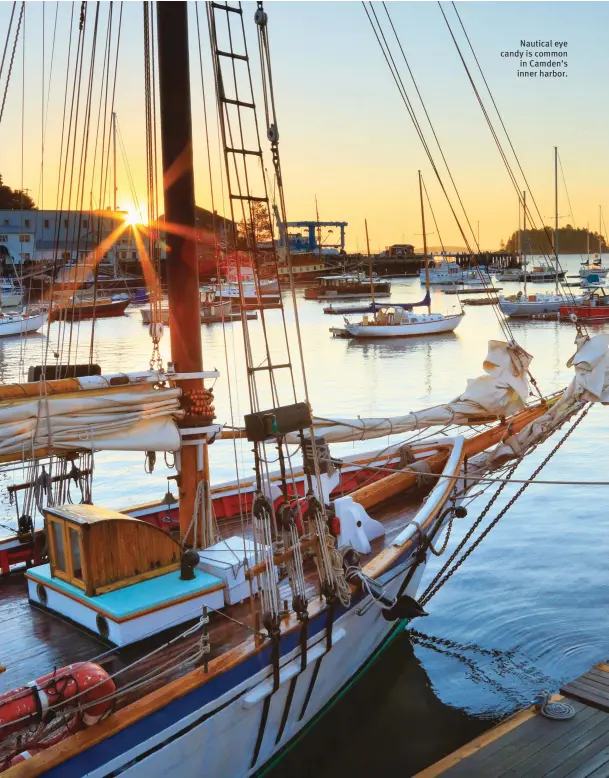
522, 305
393, 321
214, 650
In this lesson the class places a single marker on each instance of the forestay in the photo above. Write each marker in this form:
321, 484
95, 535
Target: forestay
502, 391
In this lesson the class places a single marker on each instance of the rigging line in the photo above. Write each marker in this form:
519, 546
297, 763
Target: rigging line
443, 576
433, 216
8, 35
503, 322
431, 125
532, 197
564, 180
12, 59
57, 196
71, 145
103, 100
211, 183
130, 178
80, 188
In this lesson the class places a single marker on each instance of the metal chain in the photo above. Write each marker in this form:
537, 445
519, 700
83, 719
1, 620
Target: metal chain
472, 529
10, 66
434, 587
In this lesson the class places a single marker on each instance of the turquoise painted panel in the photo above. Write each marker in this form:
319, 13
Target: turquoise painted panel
130, 600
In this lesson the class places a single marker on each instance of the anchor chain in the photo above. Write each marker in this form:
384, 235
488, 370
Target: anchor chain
434, 587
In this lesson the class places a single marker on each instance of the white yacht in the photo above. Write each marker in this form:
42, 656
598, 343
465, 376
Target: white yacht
446, 272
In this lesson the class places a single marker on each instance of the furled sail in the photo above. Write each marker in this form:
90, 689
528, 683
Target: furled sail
589, 384
99, 415
502, 391
373, 307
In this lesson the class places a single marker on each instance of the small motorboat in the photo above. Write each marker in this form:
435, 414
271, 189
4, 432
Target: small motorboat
524, 306
21, 323
344, 287
77, 309
593, 308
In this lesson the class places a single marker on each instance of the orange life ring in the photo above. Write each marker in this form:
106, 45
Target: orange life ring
21, 707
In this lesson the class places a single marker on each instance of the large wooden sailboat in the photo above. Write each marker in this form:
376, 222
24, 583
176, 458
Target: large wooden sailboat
205, 654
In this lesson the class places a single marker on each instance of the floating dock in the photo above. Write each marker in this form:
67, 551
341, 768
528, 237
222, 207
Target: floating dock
477, 290
529, 744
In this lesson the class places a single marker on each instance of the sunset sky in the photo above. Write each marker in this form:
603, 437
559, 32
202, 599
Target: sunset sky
345, 135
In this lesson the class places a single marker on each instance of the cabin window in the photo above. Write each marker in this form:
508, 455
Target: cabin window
24, 239
60, 552
65, 223
3, 238
134, 255
75, 551
46, 224
85, 224
27, 223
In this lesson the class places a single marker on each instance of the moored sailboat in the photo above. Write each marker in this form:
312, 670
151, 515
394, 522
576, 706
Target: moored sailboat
392, 321
292, 590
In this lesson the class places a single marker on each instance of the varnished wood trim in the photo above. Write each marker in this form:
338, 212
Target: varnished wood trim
115, 585
122, 619
121, 719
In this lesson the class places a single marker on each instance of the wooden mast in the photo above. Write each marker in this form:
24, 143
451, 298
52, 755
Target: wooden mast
179, 197
369, 264
425, 257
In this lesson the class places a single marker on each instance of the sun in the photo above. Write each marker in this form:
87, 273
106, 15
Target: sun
132, 217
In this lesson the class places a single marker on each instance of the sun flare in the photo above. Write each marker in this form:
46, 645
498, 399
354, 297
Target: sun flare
132, 217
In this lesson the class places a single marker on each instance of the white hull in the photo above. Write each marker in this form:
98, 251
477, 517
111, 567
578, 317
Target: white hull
202, 744
446, 324
21, 325
527, 308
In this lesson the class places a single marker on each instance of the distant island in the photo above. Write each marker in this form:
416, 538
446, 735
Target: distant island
571, 240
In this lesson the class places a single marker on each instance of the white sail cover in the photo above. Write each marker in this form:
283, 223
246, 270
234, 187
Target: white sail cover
502, 391
590, 384
128, 418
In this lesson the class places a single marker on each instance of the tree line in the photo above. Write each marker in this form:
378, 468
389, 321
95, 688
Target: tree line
571, 240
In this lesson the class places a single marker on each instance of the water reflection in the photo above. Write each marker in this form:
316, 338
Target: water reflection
533, 594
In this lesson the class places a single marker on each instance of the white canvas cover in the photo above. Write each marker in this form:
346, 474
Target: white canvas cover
590, 384
128, 418
502, 391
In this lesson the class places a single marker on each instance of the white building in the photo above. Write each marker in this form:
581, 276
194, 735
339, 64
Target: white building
35, 235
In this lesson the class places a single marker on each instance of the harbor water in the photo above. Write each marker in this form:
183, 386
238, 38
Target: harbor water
522, 615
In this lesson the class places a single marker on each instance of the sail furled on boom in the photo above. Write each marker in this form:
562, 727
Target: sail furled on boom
129, 417
501, 391
590, 384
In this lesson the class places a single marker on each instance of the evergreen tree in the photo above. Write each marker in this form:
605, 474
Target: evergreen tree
14, 199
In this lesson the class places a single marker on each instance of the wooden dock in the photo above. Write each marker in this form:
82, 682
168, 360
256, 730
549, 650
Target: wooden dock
529, 744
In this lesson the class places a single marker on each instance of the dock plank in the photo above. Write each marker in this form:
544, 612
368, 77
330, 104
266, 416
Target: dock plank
591, 687
553, 758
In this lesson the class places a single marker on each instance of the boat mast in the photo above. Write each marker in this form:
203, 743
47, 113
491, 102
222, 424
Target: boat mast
179, 198
114, 188
524, 238
425, 257
600, 234
114, 158
369, 264
556, 212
